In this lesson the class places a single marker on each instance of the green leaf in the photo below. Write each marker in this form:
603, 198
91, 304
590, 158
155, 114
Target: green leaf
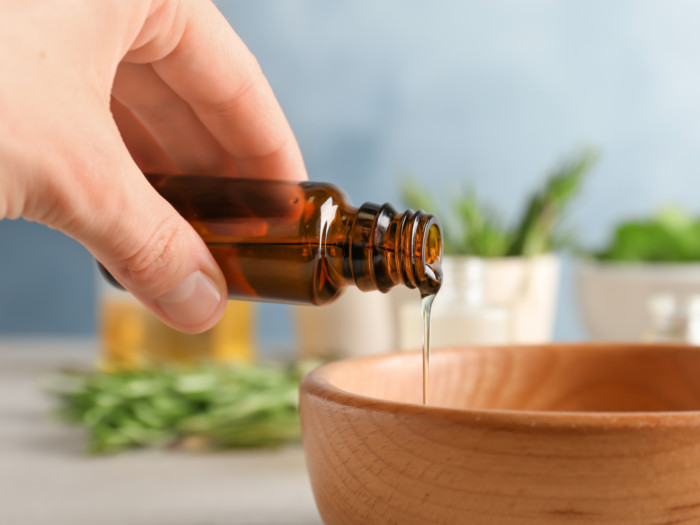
537, 229
673, 235
483, 232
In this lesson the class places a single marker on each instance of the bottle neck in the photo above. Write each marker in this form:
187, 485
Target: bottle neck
388, 248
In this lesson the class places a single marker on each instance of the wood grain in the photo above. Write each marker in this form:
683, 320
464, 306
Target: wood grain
514, 435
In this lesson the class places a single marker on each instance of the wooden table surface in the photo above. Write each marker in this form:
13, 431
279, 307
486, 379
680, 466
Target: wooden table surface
46, 479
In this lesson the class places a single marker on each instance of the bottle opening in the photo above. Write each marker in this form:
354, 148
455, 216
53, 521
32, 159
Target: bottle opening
433, 249
428, 271
390, 248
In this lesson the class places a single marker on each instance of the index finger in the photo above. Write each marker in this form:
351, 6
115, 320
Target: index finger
214, 72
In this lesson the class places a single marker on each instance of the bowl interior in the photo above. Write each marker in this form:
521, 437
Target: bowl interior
572, 378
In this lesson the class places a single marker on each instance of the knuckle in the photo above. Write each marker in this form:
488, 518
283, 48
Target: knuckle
150, 265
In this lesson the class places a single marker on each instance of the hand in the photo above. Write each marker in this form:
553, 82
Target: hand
95, 93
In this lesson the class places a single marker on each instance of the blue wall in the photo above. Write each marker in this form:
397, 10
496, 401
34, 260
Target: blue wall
486, 92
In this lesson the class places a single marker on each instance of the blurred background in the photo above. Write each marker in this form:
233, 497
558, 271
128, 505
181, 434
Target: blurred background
500, 96
490, 94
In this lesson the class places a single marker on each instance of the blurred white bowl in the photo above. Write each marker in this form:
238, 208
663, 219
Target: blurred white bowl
356, 324
614, 298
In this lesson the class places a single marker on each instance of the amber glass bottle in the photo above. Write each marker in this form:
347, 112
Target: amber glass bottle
302, 242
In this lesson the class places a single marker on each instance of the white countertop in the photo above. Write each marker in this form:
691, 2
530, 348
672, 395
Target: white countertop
46, 479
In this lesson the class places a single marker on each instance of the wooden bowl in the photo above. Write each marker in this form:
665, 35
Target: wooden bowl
578, 433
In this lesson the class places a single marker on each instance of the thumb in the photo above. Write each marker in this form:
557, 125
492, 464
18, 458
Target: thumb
141, 240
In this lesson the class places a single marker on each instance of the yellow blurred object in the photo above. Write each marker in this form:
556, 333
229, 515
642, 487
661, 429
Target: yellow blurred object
132, 338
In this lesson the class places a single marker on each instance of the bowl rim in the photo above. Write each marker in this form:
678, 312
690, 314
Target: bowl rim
316, 384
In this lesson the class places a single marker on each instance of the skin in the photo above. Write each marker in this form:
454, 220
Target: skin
97, 92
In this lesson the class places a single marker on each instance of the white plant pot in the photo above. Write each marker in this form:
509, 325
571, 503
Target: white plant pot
460, 316
365, 323
526, 287
613, 298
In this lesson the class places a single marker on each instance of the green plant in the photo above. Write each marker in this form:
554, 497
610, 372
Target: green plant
214, 407
673, 235
475, 228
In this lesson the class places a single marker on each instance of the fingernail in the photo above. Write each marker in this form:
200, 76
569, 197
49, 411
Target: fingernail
191, 302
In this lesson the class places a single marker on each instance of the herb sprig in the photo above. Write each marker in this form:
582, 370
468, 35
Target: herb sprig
211, 407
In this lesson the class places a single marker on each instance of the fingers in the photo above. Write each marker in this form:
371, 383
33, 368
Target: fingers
170, 121
102, 200
211, 69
